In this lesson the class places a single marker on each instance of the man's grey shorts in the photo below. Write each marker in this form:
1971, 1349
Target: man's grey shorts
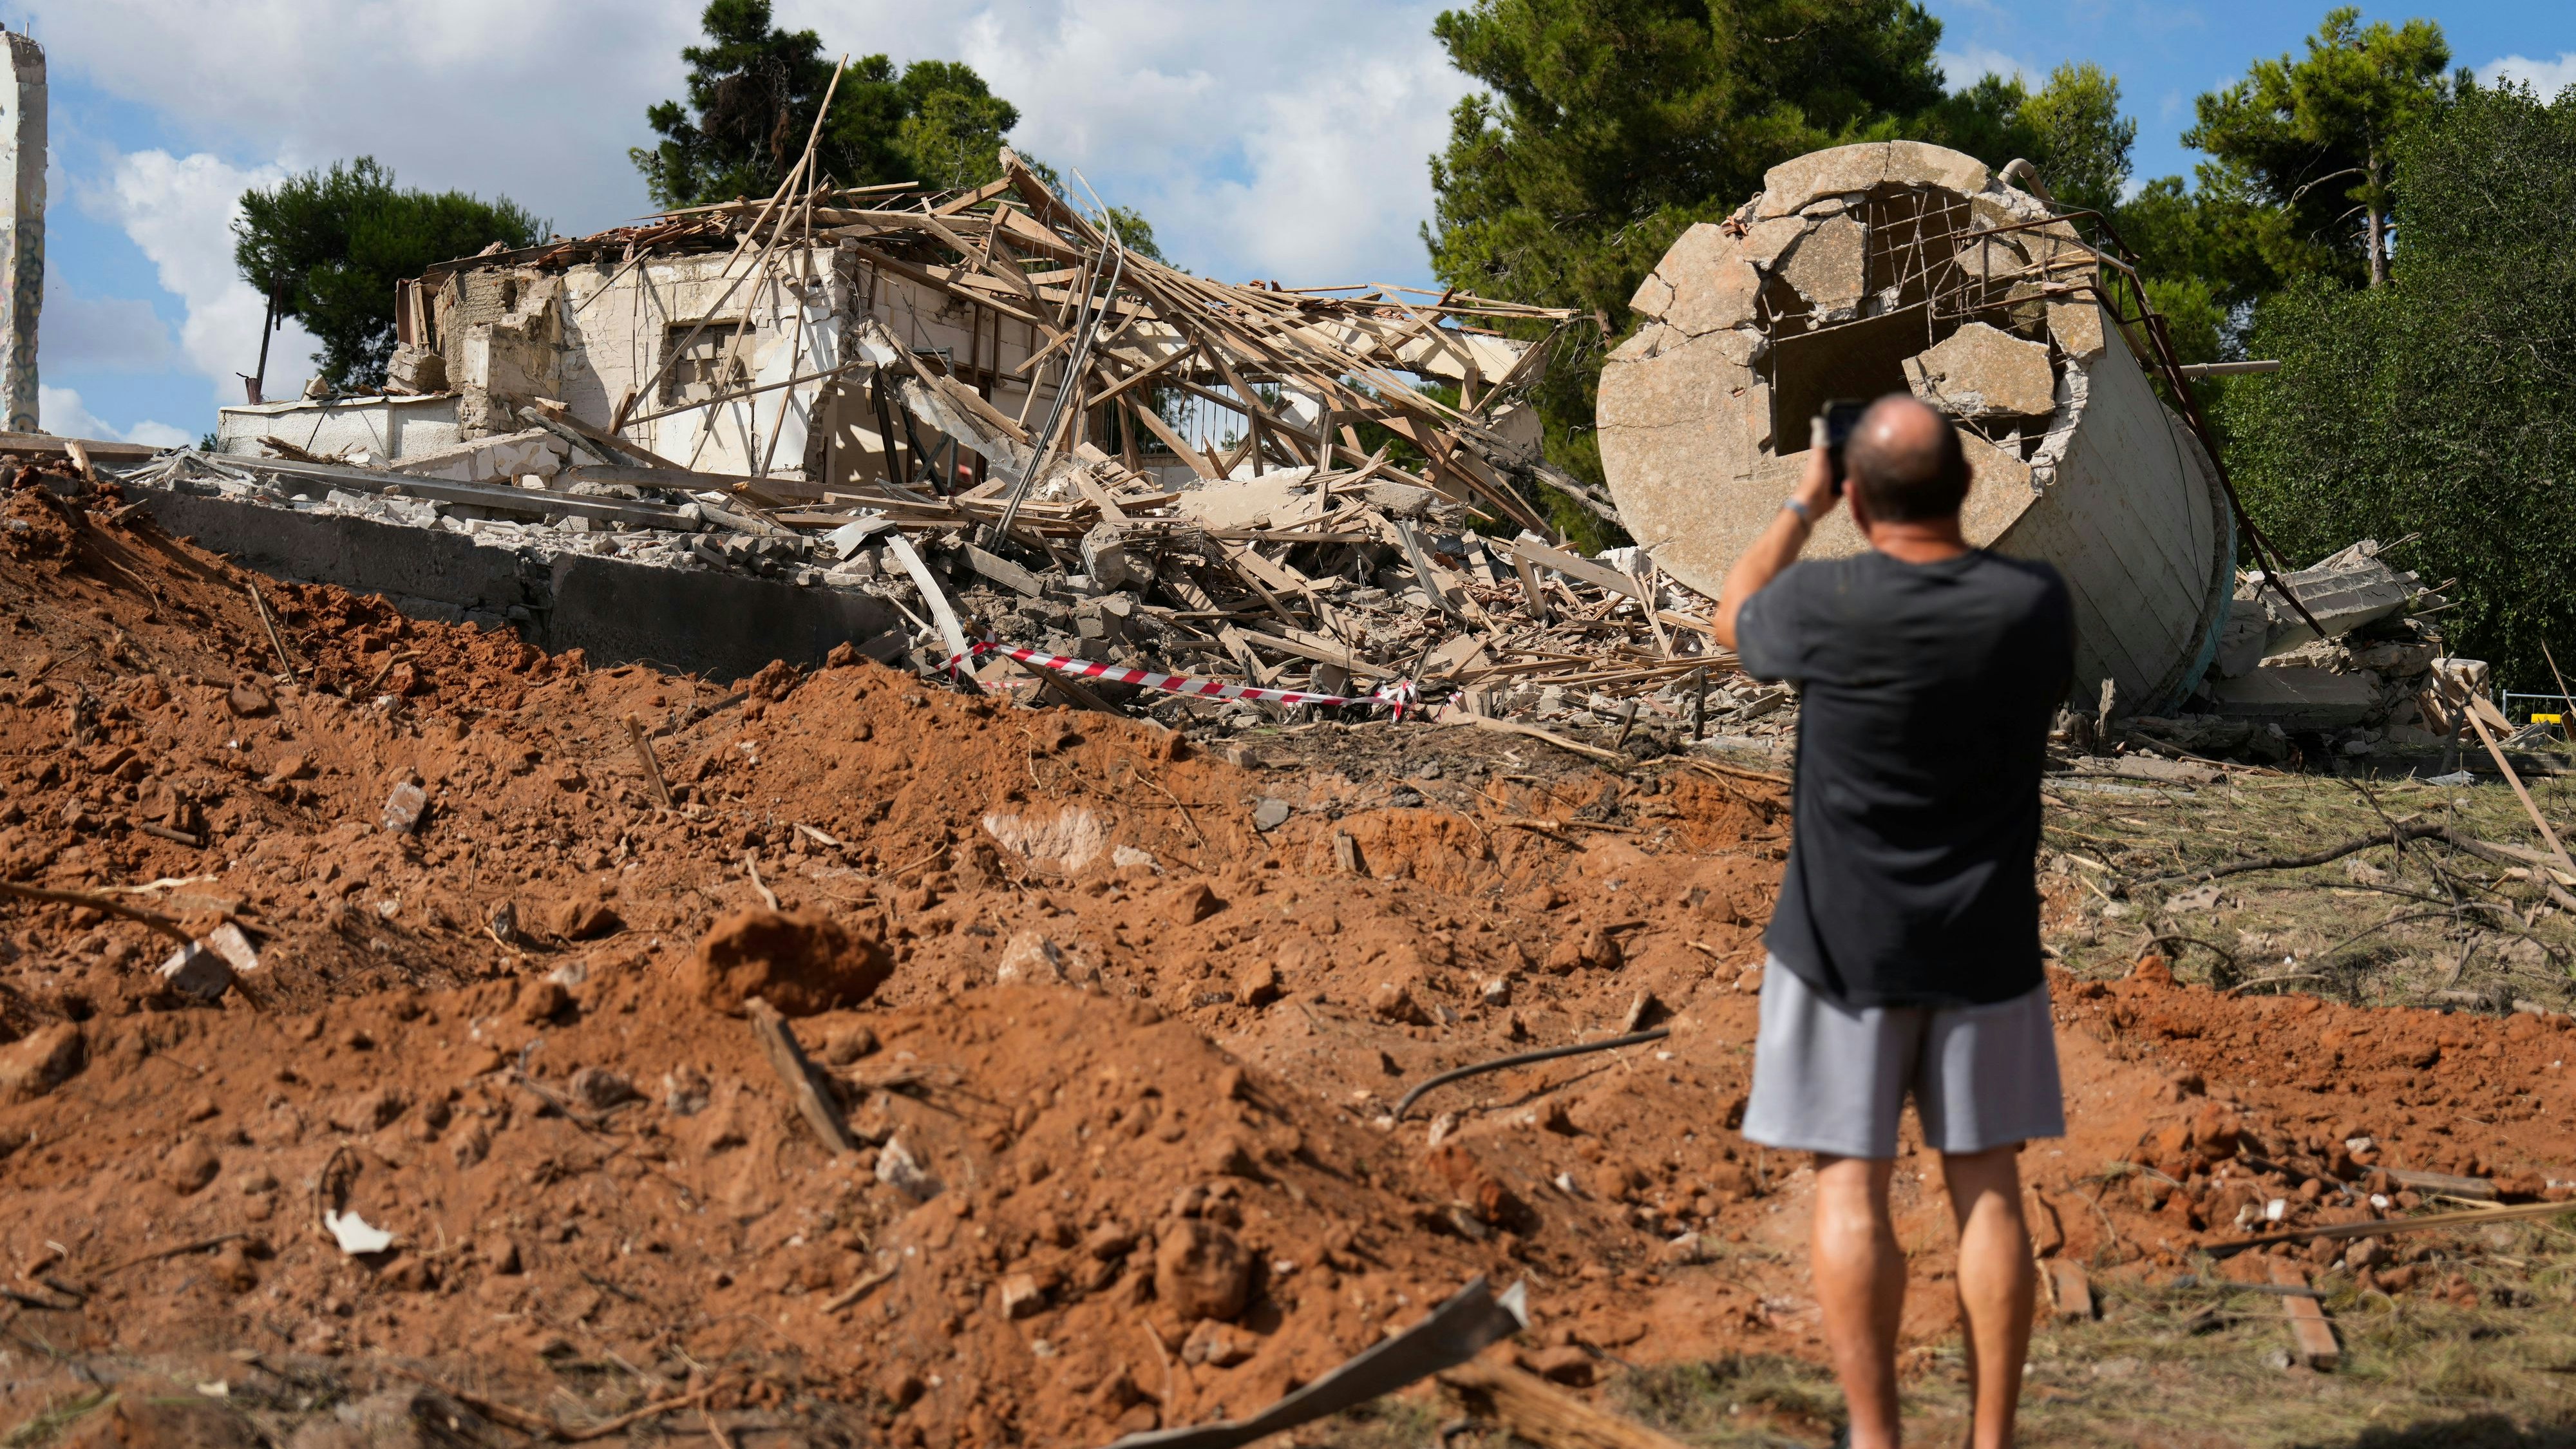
1827, 1078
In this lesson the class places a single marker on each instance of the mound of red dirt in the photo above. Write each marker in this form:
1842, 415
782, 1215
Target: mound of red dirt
1120, 1061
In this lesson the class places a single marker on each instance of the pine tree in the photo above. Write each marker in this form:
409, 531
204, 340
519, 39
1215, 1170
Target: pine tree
753, 92
2312, 141
326, 247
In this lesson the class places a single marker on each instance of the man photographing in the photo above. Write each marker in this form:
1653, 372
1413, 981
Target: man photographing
1905, 948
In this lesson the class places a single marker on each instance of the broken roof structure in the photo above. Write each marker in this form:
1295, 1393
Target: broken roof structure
1897, 266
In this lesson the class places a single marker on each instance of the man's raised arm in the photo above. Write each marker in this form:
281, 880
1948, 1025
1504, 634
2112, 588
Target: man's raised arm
1777, 548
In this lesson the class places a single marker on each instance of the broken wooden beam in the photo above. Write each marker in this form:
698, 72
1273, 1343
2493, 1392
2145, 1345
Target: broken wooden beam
2311, 1337
2069, 1289
1530, 1408
803, 1083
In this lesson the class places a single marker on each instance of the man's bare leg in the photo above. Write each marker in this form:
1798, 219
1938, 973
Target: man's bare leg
1996, 1284
1860, 1284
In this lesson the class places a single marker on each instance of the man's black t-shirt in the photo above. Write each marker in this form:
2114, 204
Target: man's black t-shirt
1928, 690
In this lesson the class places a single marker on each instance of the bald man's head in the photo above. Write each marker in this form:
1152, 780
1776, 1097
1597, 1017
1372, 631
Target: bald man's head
1906, 463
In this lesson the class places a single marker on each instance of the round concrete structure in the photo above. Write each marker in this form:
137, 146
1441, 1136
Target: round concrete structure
1894, 267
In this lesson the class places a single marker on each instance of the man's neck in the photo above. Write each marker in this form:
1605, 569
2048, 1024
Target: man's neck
1918, 543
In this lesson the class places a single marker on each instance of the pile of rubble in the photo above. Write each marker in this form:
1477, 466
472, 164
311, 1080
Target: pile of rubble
1036, 500
2276, 690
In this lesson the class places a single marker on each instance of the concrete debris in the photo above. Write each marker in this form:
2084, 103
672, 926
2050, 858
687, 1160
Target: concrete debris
354, 1234
196, 969
2343, 593
1879, 268
2299, 698
1980, 372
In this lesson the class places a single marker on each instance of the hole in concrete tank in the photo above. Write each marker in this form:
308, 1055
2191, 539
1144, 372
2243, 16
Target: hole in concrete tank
1863, 359
1923, 284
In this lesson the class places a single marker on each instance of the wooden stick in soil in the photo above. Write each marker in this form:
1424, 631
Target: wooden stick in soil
652, 768
265, 622
2496, 752
788, 1060
2565, 702
1531, 1408
2374, 1227
109, 904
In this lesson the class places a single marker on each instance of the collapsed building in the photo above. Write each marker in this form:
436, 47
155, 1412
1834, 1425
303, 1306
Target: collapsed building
930, 422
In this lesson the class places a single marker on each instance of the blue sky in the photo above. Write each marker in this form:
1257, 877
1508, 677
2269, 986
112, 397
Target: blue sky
1265, 140
2168, 52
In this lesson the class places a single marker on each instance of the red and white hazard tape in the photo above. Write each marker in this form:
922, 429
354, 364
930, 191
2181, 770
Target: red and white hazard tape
1395, 696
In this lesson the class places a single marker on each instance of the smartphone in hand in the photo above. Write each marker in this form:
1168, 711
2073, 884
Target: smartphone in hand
1832, 429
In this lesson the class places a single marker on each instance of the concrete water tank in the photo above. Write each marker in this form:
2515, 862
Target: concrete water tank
1897, 266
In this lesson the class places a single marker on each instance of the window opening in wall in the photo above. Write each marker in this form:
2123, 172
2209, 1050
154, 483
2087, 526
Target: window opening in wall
717, 360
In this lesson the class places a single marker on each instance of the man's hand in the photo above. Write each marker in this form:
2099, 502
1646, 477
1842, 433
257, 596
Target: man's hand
1778, 546
1817, 485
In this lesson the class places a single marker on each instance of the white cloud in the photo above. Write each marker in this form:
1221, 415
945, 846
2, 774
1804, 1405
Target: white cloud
75, 333
179, 212
1292, 142
534, 99
1260, 137
60, 411
2546, 77
1289, 141
1964, 65
1340, 174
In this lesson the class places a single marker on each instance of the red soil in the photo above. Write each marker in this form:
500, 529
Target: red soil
1126, 1160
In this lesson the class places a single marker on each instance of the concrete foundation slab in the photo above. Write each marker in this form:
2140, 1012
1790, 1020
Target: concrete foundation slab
719, 625
2297, 698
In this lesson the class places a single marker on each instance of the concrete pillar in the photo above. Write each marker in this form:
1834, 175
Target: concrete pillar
22, 229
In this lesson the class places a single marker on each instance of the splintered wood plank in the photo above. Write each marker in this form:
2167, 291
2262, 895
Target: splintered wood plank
798, 1075
1533, 1409
2069, 1289
2310, 1334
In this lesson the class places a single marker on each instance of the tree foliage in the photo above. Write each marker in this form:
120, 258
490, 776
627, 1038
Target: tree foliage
2311, 142
2442, 404
2078, 139
754, 90
1606, 127
327, 247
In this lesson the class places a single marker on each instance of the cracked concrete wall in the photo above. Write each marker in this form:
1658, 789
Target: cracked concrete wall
586, 334
1825, 285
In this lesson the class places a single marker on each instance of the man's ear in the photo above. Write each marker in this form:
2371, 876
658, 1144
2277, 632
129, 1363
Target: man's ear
1859, 510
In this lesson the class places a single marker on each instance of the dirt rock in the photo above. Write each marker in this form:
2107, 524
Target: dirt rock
1565, 1363
1031, 959
1595, 948
586, 918
1217, 1344
1202, 1271
600, 1088
1022, 1297
1468, 1179
802, 963
44, 1060
850, 1043
1257, 984
543, 1000
190, 1165
1393, 1001
1191, 902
